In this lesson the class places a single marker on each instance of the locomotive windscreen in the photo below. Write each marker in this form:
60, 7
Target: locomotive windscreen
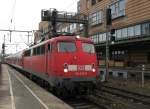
66, 47
88, 48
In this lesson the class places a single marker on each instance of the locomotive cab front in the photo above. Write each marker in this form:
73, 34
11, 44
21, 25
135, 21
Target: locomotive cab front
75, 63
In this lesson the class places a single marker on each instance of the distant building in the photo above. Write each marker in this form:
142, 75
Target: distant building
131, 21
42, 33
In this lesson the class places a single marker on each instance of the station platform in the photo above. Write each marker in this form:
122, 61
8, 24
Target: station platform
18, 92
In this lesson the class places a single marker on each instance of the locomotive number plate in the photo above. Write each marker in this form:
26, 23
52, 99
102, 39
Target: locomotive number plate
81, 67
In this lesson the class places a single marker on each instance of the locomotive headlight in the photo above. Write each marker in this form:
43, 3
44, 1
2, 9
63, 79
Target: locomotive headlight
93, 67
65, 70
77, 36
93, 70
65, 67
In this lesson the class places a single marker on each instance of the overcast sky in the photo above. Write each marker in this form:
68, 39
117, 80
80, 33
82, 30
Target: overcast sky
25, 15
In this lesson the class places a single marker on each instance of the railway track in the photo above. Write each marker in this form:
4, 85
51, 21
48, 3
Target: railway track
133, 96
103, 102
108, 101
82, 103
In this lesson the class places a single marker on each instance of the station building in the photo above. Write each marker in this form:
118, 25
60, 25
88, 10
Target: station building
131, 21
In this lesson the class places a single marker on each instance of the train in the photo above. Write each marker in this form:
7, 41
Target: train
65, 63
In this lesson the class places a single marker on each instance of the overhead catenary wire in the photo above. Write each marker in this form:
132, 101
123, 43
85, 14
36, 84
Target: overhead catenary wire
12, 13
11, 17
27, 44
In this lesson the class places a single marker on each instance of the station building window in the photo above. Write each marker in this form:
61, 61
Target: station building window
146, 29
104, 36
73, 28
99, 55
110, 73
100, 37
95, 18
118, 55
97, 38
119, 34
124, 33
81, 26
94, 39
118, 8
130, 31
121, 8
137, 30
93, 2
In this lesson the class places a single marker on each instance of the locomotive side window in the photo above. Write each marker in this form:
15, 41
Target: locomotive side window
66, 47
88, 48
49, 47
42, 49
38, 50
27, 53
34, 51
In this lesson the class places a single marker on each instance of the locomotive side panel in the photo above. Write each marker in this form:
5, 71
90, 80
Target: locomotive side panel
50, 59
34, 59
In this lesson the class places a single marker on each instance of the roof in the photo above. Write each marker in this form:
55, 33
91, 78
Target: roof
62, 38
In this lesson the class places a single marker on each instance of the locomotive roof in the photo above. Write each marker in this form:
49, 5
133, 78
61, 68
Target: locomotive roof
72, 38
62, 38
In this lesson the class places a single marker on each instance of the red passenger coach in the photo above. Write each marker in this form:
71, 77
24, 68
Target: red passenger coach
15, 59
67, 63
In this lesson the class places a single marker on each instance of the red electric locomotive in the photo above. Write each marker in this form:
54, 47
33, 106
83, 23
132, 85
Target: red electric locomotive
67, 63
